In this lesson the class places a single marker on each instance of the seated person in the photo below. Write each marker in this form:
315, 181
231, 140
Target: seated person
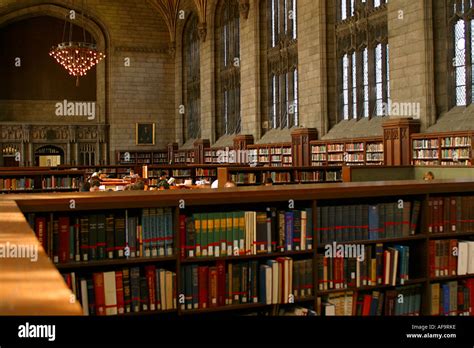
138, 186
95, 185
163, 182
132, 175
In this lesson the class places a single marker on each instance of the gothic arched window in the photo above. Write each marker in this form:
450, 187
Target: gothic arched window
281, 65
461, 46
191, 79
227, 68
362, 53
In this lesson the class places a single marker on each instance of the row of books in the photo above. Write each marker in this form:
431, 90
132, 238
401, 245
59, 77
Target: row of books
311, 176
355, 147
206, 172
453, 298
459, 162
277, 281
425, 154
402, 301
456, 142
61, 182
451, 257
130, 290
456, 154
343, 223
354, 266
245, 233
17, 184
318, 149
451, 214
375, 147
47, 183
355, 157
376, 156
105, 236
244, 178
425, 144
335, 147
277, 177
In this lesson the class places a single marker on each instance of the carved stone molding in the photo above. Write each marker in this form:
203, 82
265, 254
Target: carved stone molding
162, 49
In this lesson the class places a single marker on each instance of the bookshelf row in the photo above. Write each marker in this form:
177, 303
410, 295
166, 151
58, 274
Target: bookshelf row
368, 151
446, 149
442, 149
245, 176
38, 180
251, 254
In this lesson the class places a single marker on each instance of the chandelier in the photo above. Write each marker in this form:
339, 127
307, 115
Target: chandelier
76, 57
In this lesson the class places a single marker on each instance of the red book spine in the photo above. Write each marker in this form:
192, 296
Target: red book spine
63, 224
221, 283
213, 287
432, 260
150, 272
452, 215
430, 215
40, 229
385, 262
470, 285
182, 236
366, 305
203, 274
98, 279
119, 292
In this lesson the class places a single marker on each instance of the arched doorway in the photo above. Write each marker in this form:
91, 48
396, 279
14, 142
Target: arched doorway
49, 156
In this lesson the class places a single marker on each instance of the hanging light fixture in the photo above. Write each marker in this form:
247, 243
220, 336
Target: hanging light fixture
76, 57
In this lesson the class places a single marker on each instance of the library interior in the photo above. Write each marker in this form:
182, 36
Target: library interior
236, 158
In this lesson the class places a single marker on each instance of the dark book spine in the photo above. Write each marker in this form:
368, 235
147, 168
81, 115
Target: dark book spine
119, 237
110, 234
93, 236
85, 238
101, 237
127, 291
144, 294
135, 286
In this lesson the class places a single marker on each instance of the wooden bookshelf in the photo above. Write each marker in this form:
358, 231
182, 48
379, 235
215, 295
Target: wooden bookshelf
38, 292
445, 149
40, 180
194, 172
245, 176
184, 157
312, 197
353, 152
139, 158
272, 155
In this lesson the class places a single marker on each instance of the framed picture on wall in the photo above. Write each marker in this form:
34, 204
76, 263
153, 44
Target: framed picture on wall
145, 134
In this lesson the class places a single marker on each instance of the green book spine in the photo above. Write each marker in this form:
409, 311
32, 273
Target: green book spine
235, 232
242, 232
229, 229
204, 235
